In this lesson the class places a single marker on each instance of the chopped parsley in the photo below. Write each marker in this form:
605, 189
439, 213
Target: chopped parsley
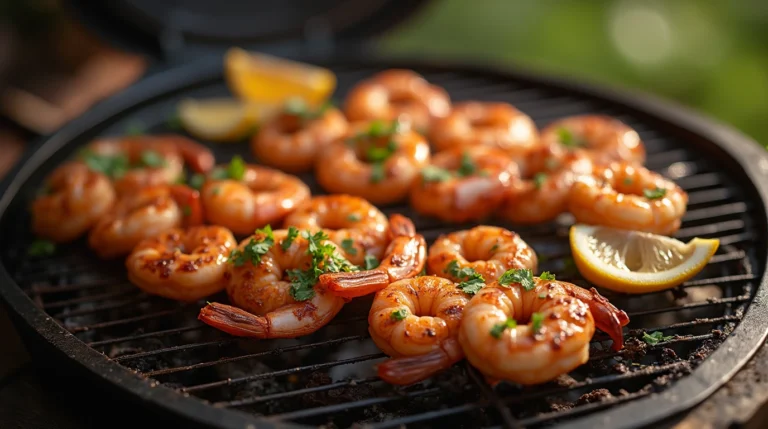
113, 166
348, 245
537, 319
495, 247
542, 295
377, 172
655, 338
41, 248
399, 314
297, 106
186, 210
196, 181
524, 276
377, 129
539, 179
499, 328
370, 262
325, 259
380, 154
293, 232
354, 217
432, 173
255, 249
216, 191
627, 181
150, 158
470, 281
546, 275
235, 170
566, 138
654, 194
467, 166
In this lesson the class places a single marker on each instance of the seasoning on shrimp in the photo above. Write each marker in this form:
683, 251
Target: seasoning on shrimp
532, 332
627, 196
244, 197
493, 124
603, 138
143, 214
273, 286
463, 184
74, 199
182, 264
487, 250
293, 139
416, 322
395, 94
377, 160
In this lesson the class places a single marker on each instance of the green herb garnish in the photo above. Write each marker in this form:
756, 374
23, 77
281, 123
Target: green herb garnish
113, 166
150, 158
546, 275
325, 259
470, 281
655, 338
539, 179
236, 168
542, 295
255, 249
499, 328
523, 276
293, 232
537, 319
654, 194
354, 217
377, 173
467, 166
348, 245
432, 173
186, 210
297, 106
627, 181
370, 262
196, 181
399, 314
41, 248
566, 138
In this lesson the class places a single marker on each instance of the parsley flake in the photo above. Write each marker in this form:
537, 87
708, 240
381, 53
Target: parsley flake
467, 166
499, 328
354, 217
495, 247
254, 249
377, 173
348, 245
655, 338
566, 138
297, 106
546, 275
236, 168
470, 281
186, 210
542, 295
370, 262
537, 319
293, 232
627, 181
112, 166
432, 173
41, 248
539, 179
523, 276
325, 259
399, 314
654, 194
196, 181
150, 158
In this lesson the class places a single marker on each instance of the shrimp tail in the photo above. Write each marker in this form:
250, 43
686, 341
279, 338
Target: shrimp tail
356, 284
234, 321
199, 157
189, 201
608, 318
401, 226
413, 369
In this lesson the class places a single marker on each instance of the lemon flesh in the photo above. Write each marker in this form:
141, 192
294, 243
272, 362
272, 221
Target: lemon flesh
220, 119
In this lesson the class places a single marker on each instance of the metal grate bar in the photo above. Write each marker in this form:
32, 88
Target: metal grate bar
155, 334
713, 302
714, 212
127, 320
709, 196
429, 415
89, 299
492, 397
709, 229
292, 393
49, 289
697, 181
84, 311
582, 409
183, 347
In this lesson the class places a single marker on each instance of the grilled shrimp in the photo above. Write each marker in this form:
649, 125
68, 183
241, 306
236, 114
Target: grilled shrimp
605, 139
397, 93
143, 214
533, 336
75, 199
627, 196
416, 321
294, 138
351, 222
543, 192
495, 124
377, 161
182, 264
265, 304
404, 258
488, 250
148, 160
463, 183
260, 197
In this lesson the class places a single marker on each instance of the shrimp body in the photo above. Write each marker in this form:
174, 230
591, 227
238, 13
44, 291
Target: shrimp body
143, 214
605, 139
395, 94
182, 264
627, 196
417, 320
263, 306
380, 169
292, 144
153, 160
473, 182
76, 198
489, 250
263, 196
534, 352
404, 258
543, 193
351, 222
492, 124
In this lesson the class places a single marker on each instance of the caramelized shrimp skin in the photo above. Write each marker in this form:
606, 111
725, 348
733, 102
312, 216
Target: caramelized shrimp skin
182, 264
263, 196
522, 354
293, 145
76, 199
424, 340
144, 214
489, 250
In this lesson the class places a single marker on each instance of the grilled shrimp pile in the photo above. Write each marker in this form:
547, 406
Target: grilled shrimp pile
289, 261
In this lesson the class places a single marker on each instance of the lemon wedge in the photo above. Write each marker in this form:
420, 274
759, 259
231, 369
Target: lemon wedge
220, 119
265, 79
637, 262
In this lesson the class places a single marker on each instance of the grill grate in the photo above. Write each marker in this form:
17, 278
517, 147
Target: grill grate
327, 378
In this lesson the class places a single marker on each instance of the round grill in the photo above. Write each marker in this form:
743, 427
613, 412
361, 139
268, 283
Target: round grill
156, 351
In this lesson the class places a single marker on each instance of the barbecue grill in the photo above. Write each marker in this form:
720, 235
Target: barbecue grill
81, 313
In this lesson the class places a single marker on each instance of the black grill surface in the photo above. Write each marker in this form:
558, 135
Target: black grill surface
327, 379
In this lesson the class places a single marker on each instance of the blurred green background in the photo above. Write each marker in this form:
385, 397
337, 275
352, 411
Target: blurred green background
711, 55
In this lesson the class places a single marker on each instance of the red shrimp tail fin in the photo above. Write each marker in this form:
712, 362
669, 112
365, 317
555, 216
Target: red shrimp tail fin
199, 157
355, 284
234, 321
401, 226
409, 258
189, 200
608, 318
413, 369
